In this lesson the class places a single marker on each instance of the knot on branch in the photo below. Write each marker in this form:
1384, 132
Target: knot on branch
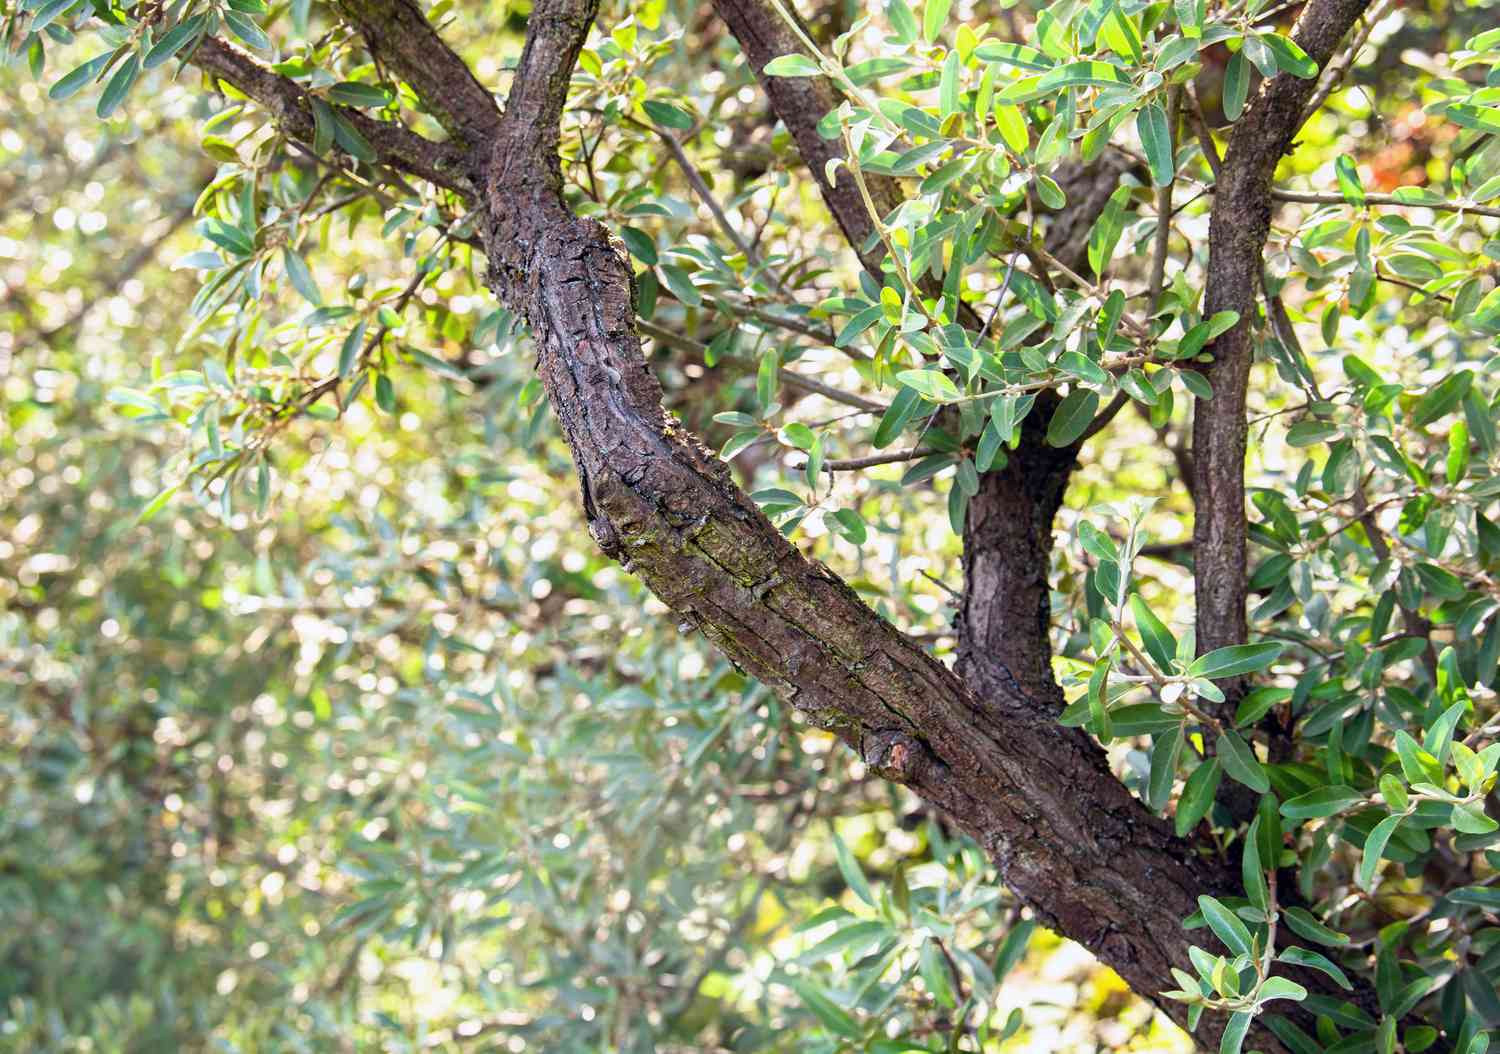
896, 755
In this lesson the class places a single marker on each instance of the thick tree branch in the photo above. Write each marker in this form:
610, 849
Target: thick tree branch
1239, 224
399, 36
288, 104
1067, 836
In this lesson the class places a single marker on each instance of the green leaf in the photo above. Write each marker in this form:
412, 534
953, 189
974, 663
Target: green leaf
1107, 229
934, 16
948, 86
640, 244
323, 127
1017, 55
349, 351
1320, 802
799, 435
1442, 398
118, 87
1281, 988
1012, 125
1072, 417
849, 867
902, 409
1241, 763
1252, 874
851, 525
1156, 137
791, 66
353, 93
1120, 34
1235, 660
1159, 642
385, 393
156, 504
1417, 765
1315, 961
301, 278
738, 442
173, 41
1234, 1033
1309, 928
350, 139
902, 20
248, 32
1196, 383
681, 285
1013, 948
71, 83
934, 971
1236, 85
669, 116
1164, 754
1348, 178
1197, 796
49, 12
833, 1017
1290, 58
1481, 118
1226, 925
767, 378
1051, 194
932, 385
1471, 819
1082, 74
1374, 847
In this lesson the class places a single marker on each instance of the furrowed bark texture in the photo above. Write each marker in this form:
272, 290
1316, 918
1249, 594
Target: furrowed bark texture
1238, 227
1005, 612
1068, 837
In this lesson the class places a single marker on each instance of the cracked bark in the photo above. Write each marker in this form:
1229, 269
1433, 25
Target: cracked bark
1238, 227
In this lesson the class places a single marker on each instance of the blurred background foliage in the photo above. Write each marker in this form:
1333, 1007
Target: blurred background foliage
398, 761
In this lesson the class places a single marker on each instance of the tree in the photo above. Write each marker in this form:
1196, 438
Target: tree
994, 310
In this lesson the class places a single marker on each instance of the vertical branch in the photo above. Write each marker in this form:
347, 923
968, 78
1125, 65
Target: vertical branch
1238, 228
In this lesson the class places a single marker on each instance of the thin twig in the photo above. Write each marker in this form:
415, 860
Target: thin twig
853, 464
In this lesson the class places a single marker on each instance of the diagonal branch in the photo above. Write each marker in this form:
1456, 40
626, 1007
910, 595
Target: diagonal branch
399, 35
290, 106
1240, 222
1069, 839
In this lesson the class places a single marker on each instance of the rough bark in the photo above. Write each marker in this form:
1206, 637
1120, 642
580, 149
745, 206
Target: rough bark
442, 164
399, 35
1091, 861
1067, 837
1238, 227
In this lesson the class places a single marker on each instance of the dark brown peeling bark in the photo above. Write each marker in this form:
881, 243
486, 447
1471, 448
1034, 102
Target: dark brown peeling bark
1237, 235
